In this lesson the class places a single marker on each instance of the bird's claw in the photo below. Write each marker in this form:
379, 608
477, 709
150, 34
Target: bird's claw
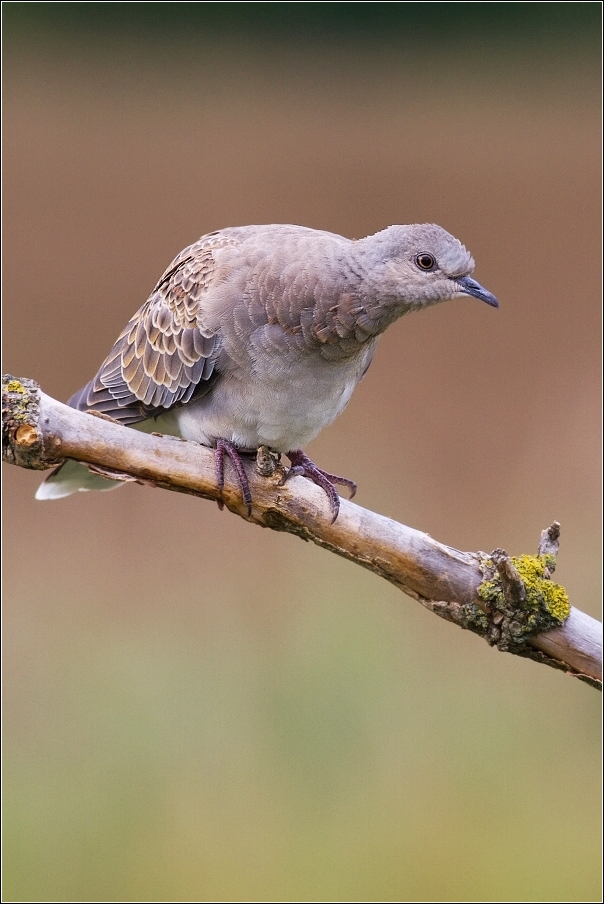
224, 447
300, 465
303, 466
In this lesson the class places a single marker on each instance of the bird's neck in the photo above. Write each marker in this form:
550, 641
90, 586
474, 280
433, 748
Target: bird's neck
363, 302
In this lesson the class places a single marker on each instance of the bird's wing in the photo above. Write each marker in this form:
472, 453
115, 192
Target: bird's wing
166, 353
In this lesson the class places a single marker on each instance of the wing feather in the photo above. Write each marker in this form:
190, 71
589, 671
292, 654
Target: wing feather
166, 352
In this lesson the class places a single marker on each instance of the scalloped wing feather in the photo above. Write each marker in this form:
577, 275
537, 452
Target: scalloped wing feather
166, 353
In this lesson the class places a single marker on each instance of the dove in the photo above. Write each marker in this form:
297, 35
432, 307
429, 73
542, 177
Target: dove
258, 335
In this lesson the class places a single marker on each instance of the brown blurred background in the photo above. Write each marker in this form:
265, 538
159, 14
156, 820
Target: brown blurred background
199, 710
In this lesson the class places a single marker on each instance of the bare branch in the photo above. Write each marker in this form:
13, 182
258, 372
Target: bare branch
462, 587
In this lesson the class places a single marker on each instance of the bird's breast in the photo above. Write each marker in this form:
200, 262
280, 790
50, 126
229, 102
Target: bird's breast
280, 404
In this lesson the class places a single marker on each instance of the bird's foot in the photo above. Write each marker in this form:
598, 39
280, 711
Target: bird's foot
224, 447
302, 465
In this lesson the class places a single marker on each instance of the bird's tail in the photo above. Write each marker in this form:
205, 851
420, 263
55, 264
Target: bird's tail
71, 477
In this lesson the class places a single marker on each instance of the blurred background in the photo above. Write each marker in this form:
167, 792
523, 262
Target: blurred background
195, 709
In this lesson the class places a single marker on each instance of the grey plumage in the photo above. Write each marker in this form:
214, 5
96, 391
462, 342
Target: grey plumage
258, 335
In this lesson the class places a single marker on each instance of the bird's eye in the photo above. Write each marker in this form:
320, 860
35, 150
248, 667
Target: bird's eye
425, 261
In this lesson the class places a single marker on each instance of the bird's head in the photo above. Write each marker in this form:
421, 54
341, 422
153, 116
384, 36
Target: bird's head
410, 267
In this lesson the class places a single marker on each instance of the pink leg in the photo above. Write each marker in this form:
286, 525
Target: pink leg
224, 447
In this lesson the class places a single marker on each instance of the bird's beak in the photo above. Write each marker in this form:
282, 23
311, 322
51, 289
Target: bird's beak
469, 286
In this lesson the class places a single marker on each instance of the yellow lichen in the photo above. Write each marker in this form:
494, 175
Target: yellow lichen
542, 593
545, 605
15, 386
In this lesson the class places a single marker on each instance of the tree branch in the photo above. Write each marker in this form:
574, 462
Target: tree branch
512, 603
